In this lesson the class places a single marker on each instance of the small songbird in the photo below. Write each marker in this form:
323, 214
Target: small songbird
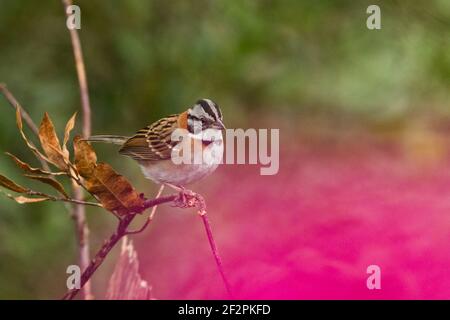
153, 146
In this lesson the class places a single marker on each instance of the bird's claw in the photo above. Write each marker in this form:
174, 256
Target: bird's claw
186, 199
190, 199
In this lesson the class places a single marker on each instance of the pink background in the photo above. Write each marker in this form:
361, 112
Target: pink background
310, 232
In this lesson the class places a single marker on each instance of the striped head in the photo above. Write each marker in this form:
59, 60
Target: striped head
205, 114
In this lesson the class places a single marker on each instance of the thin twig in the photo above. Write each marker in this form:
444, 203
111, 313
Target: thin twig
215, 252
151, 215
120, 232
82, 232
14, 103
79, 210
62, 199
84, 203
201, 205
81, 202
30, 123
81, 73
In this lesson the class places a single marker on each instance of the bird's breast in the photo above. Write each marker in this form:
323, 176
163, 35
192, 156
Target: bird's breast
198, 160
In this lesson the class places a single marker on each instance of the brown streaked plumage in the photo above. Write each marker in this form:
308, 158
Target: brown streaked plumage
153, 142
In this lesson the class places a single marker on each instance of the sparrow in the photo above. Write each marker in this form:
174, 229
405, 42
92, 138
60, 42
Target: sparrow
154, 147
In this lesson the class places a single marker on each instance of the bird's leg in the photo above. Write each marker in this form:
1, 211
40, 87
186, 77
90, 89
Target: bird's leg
175, 187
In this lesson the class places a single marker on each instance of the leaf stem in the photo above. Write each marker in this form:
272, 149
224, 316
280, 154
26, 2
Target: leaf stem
85, 203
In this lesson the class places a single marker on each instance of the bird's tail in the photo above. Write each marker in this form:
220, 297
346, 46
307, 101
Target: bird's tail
108, 139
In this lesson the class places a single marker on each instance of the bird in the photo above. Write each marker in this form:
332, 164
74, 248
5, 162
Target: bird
154, 146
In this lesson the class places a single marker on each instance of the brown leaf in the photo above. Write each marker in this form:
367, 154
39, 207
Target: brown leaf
11, 185
23, 200
85, 157
69, 127
52, 182
50, 143
27, 168
24, 137
114, 192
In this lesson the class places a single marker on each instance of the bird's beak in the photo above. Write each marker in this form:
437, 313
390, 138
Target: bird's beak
219, 125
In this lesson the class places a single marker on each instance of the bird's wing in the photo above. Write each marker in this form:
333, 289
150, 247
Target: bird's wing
153, 142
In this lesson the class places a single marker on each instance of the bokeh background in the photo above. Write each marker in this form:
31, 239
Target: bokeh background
364, 118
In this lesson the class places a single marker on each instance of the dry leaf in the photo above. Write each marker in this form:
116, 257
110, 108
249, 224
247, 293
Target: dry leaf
85, 157
50, 143
23, 200
27, 168
126, 282
52, 182
29, 144
69, 127
114, 192
5, 182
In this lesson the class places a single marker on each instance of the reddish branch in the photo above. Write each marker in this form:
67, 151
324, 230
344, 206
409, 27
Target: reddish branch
215, 252
182, 200
79, 210
121, 231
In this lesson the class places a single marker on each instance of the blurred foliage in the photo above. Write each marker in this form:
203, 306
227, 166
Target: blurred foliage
146, 59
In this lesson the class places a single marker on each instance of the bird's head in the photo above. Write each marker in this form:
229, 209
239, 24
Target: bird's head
205, 114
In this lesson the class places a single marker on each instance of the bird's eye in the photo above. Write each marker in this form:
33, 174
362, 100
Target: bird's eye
206, 123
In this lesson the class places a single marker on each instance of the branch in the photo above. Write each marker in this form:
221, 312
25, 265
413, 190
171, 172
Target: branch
120, 232
79, 210
81, 72
15, 104
70, 200
61, 199
150, 216
195, 199
215, 252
